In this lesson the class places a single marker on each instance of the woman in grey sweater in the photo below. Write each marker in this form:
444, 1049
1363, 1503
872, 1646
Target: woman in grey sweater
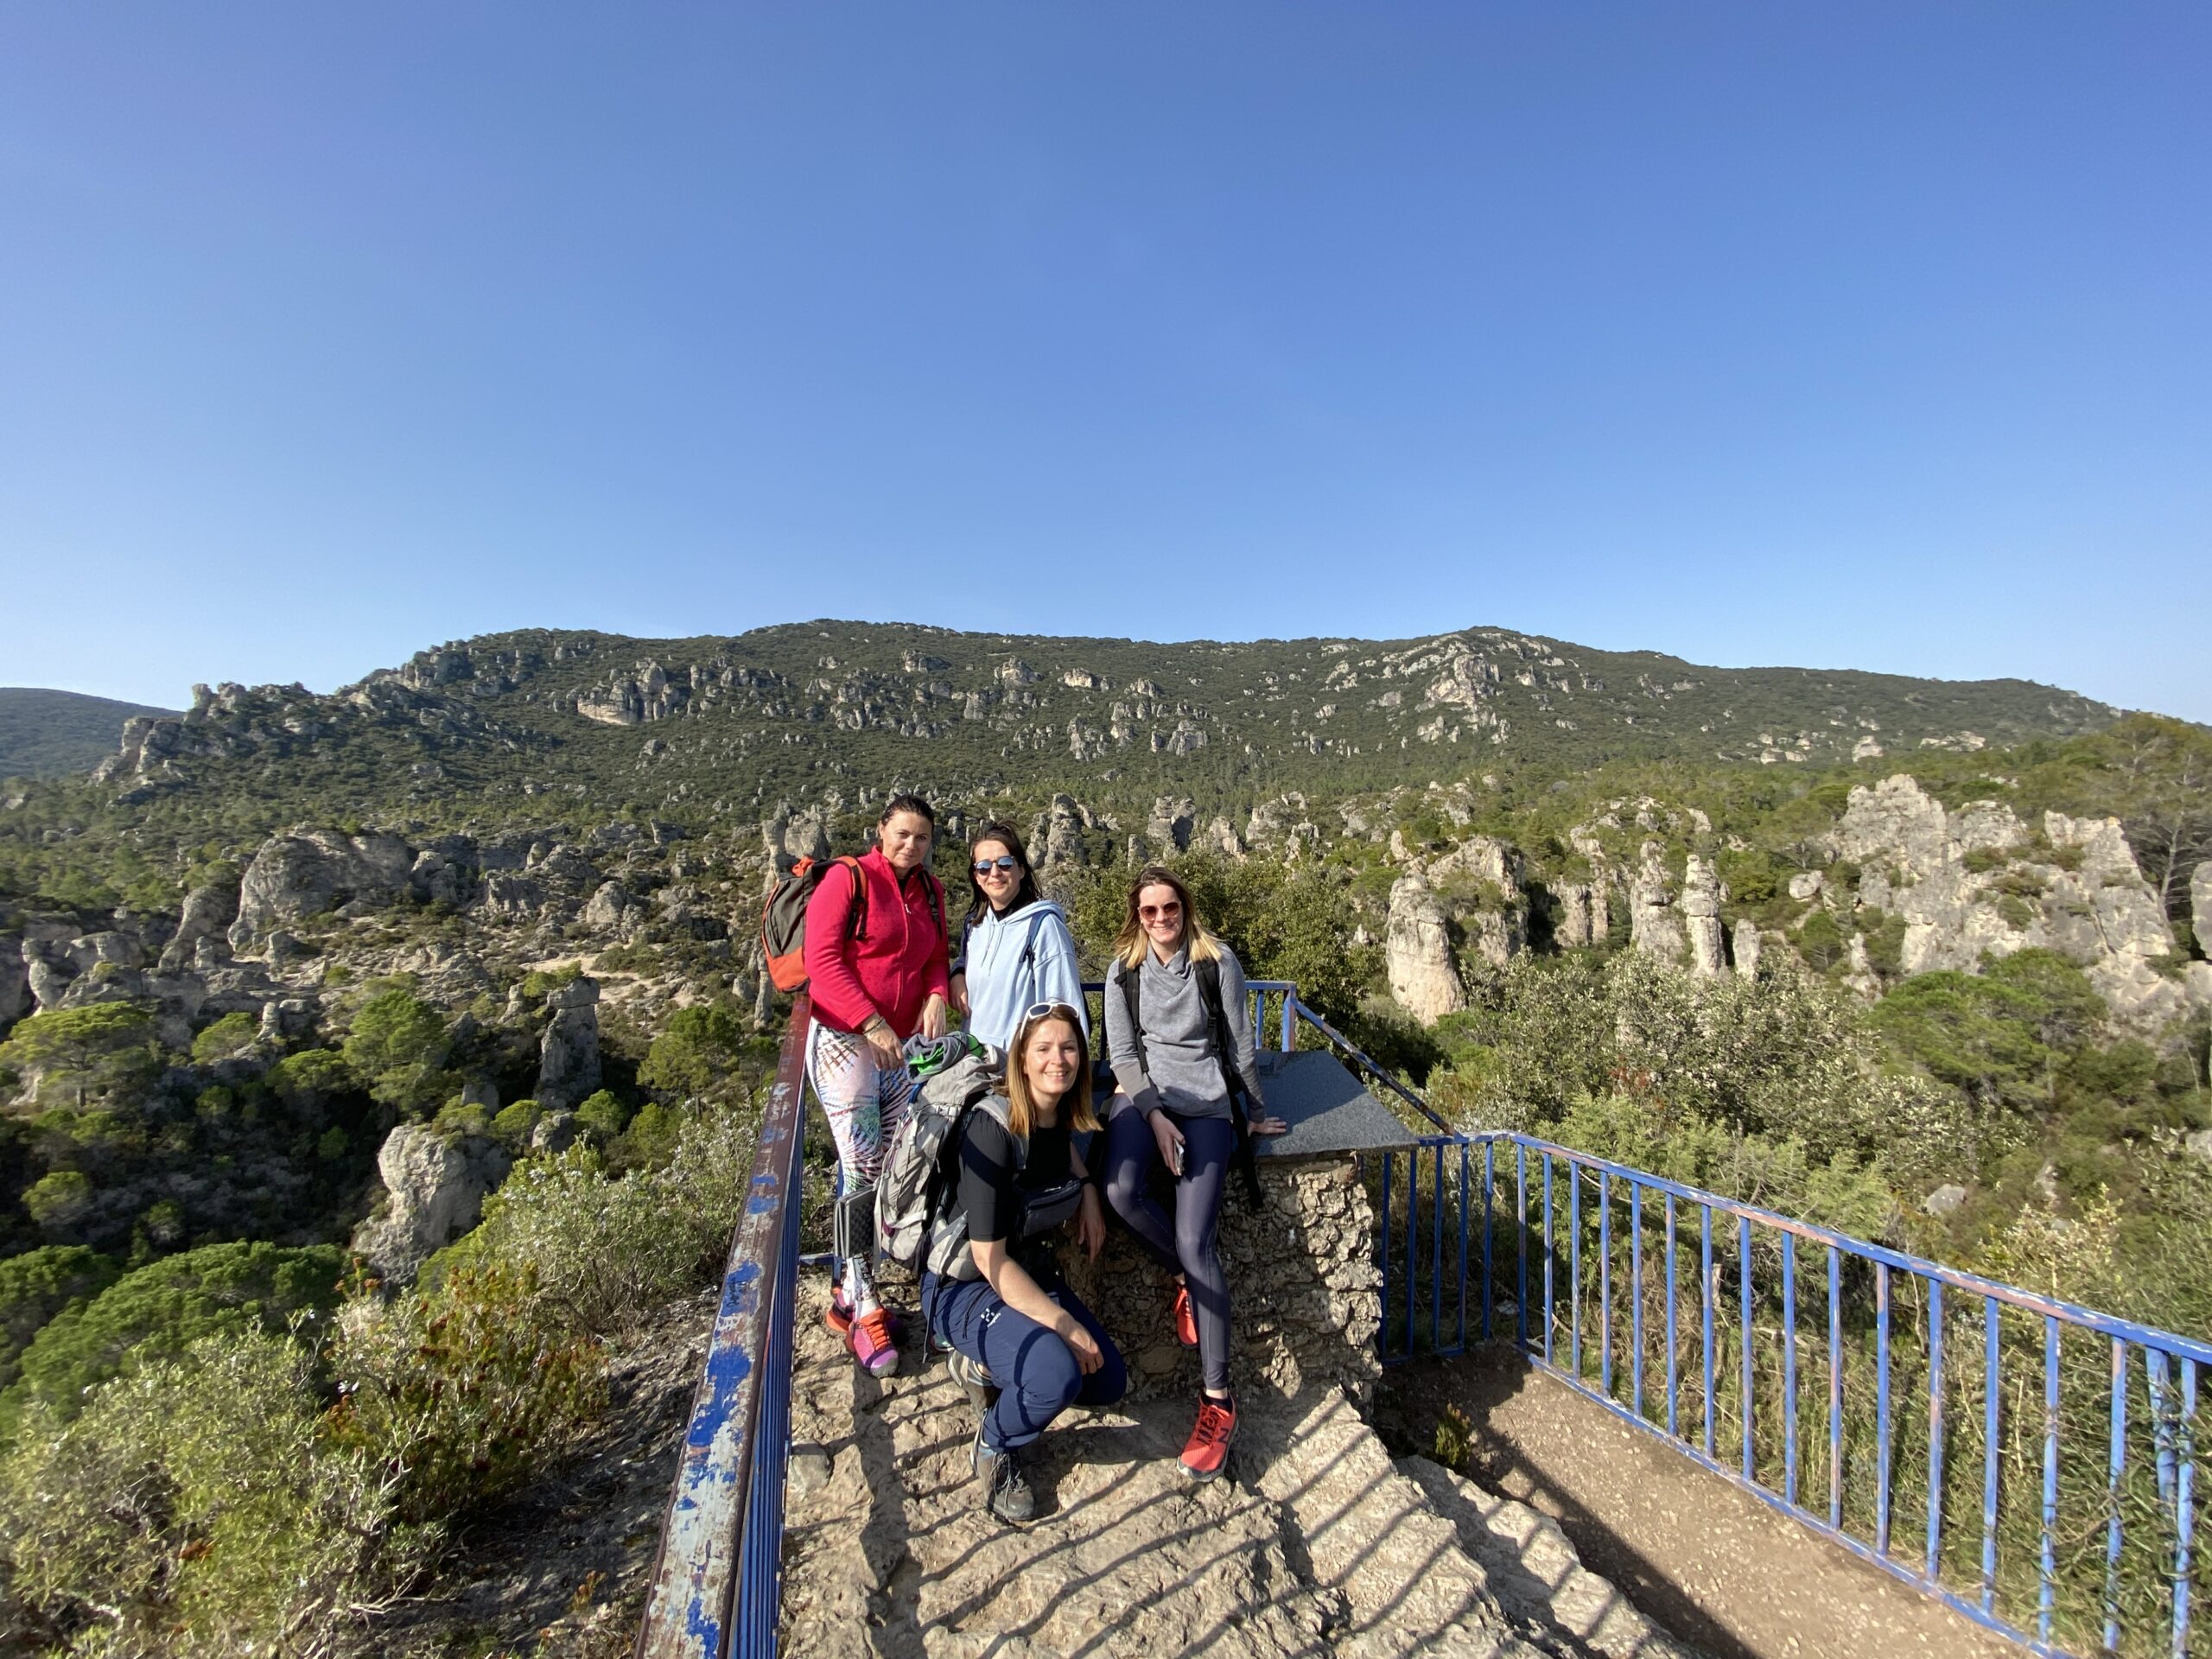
1177, 1064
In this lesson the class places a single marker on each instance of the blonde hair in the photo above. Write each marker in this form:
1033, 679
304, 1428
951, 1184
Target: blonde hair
1132, 942
1019, 1112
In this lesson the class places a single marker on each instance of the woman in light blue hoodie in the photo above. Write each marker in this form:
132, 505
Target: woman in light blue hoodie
1015, 950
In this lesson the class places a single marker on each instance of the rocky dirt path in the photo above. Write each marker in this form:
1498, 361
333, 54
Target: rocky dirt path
1715, 1565
1320, 1547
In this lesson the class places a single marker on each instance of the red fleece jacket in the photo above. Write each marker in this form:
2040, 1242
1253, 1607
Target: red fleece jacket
897, 968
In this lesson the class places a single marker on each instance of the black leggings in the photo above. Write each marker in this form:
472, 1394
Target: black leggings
1188, 1246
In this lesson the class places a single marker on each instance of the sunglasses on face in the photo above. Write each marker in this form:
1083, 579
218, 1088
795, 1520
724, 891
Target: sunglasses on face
1005, 864
1168, 912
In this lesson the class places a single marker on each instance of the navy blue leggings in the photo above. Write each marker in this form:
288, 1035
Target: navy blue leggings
1188, 1246
1035, 1371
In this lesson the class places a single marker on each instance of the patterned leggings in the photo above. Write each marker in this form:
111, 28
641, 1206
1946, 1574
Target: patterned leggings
866, 1105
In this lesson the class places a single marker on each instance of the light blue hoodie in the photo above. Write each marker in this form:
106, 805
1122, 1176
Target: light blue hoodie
1016, 960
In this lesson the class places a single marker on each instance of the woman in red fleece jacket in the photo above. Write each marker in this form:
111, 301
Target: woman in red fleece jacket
872, 991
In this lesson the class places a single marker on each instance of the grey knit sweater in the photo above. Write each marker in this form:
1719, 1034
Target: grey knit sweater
1178, 1070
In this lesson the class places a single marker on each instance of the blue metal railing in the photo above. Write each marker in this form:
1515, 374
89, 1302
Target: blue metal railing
2084, 1427
2109, 1527
716, 1584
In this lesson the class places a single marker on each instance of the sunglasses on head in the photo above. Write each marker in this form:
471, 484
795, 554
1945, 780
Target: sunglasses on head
1005, 862
1159, 912
1043, 1010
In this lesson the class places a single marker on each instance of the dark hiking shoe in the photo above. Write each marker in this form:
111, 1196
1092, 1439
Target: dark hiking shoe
1007, 1491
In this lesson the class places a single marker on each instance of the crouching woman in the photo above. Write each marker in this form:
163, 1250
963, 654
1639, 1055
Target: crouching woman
1012, 1322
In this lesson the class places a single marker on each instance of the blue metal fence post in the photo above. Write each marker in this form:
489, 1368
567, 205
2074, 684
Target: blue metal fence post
1882, 1407
1490, 1191
1744, 1296
1935, 1426
2047, 1588
1789, 1368
1673, 1366
1606, 1283
1636, 1294
1574, 1257
1521, 1239
1549, 1253
2117, 1465
1991, 1391
1383, 1244
1835, 1387
1707, 1293
2184, 1503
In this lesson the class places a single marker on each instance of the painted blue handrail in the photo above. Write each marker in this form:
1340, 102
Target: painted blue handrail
716, 1585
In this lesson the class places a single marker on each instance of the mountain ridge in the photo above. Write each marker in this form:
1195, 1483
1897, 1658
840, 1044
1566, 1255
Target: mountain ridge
45, 733
822, 707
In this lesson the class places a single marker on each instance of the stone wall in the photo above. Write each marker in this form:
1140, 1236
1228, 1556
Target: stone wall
1305, 1294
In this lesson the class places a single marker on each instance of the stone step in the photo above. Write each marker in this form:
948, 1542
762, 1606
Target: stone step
1534, 1572
1315, 1544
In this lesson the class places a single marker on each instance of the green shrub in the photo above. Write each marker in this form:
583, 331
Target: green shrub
458, 1117
225, 1038
103, 1049
59, 1200
39, 1284
603, 1114
697, 1052
516, 1121
307, 1079
156, 1312
200, 1508
398, 1046
606, 1250
469, 1386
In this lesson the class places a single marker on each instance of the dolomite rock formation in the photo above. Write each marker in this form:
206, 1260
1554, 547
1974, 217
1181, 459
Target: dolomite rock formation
1171, 823
1423, 977
207, 915
310, 872
1700, 908
435, 1191
1976, 881
1579, 916
1654, 927
1056, 837
1747, 948
2200, 905
567, 1066
789, 836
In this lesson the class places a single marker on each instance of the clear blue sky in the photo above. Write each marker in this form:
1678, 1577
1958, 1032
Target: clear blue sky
1868, 335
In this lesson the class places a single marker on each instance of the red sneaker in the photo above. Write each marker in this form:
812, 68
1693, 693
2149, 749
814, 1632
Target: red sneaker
840, 1317
1207, 1450
1187, 1320
872, 1344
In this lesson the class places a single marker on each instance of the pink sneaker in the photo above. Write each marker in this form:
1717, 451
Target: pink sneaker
840, 1317
872, 1344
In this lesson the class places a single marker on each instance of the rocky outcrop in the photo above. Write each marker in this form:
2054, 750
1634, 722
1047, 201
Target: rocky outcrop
1980, 881
1700, 908
1056, 835
1423, 977
205, 922
568, 1065
435, 1189
311, 872
2200, 906
1172, 821
1654, 926
1577, 915
789, 836
1747, 946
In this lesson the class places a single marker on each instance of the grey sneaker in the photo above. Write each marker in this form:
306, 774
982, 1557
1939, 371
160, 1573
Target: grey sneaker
1007, 1491
975, 1382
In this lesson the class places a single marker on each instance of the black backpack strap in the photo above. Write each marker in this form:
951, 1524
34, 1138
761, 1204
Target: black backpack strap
1129, 978
1224, 1050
